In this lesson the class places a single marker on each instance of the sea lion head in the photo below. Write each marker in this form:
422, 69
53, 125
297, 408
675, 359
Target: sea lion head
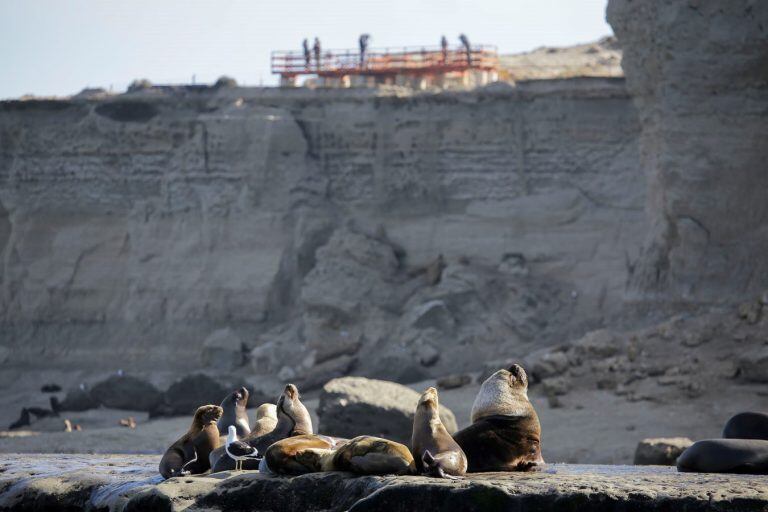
428, 405
207, 414
505, 393
237, 398
289, 406
266, 411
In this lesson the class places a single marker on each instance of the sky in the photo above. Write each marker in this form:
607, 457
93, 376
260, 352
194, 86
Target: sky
59, 47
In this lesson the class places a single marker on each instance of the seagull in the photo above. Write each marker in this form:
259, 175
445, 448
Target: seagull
238, 450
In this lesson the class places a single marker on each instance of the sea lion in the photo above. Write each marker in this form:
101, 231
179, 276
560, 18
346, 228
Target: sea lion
266, 419
725, 456
368, 455
234, 405
194, 446
505, 434
292, 420
747, 425
435, 451
298, 455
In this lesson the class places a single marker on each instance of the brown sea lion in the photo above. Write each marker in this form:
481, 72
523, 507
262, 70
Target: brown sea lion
234, 405
300, 454
435, 451
505, 434
368, 455
292, 420
192, 449
266, 419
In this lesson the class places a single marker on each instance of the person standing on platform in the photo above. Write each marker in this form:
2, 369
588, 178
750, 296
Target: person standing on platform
363, 41
317, 50
444, 48
465, 42
307, 53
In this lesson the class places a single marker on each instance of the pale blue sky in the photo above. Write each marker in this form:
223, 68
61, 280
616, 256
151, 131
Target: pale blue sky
58, 47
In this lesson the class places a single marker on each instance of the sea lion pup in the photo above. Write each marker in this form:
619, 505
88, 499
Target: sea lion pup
747, 425
505, 434
194, 446
725, 456
266, 419
234, 405
435, 451
292, 420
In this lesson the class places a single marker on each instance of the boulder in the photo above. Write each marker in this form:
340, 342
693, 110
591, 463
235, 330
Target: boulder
223, 350
78, 399
127, 392
550, 364
318, 375
754, 365
185, 395
662, 451
433, 314
453, 381
5, 354
352, 406
598, 344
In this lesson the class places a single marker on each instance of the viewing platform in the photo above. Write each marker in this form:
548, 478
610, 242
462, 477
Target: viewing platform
418, 67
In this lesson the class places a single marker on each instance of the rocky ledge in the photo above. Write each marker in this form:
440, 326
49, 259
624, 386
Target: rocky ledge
123, 483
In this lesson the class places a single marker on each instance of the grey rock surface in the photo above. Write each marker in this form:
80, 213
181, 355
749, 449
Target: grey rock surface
134, 226
697, 73
124, 483
353, 406
662, 451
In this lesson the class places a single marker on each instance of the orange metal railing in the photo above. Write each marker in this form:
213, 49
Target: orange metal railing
385, 61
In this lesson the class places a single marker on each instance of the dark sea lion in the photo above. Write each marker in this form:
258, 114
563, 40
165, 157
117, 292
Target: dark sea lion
725, 456
235, 414
266, 419
436, 453
202, 437
747, 425
293, 419
505, 434
368, 455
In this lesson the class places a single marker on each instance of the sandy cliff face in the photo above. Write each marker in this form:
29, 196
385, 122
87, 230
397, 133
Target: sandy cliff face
135, 226
699, 73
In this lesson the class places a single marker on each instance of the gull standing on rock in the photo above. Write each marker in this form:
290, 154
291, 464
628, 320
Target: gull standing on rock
238, 450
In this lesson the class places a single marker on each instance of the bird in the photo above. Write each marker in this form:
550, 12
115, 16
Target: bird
238, 450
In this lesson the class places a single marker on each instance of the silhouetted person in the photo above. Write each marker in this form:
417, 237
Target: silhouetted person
444, 48
363, 41
307, 53
465, 42
317, 50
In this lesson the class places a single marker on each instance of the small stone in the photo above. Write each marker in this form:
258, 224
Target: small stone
428, 355
556, 385
551, 364
753, 365
286, 374
750, 312
453, 381
662, 451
